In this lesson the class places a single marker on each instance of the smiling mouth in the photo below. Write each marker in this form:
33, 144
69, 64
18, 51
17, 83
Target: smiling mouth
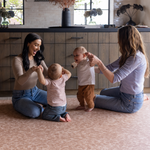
34, 52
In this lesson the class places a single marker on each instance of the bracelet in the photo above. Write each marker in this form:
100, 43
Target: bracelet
104, 69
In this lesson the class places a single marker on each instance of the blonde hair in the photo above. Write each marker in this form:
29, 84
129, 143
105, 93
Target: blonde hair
80, 49
130, 41
54, 71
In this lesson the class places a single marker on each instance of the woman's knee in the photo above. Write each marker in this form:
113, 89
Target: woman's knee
28, 108
35, 112
102, 91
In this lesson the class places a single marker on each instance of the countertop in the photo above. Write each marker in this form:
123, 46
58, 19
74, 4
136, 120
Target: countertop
59, 29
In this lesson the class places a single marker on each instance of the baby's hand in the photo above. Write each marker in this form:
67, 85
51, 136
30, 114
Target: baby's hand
34, 68
40, 67
97, 70
38, 70
63, 72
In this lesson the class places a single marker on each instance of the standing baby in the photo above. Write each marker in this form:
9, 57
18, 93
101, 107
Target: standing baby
86, 79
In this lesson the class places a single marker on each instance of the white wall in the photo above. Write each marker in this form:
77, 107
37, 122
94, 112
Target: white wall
145, 15
41, 15
123, 19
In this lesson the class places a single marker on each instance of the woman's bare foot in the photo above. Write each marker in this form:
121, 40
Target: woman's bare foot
67, 117
80, 108
146, 97
62, 119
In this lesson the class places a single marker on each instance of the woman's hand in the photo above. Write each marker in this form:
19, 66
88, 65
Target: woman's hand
94, 60
34, 68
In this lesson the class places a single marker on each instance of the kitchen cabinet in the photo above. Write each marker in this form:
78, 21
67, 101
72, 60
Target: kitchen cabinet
59, 48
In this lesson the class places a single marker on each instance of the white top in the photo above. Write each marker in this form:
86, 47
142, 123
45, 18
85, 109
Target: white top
56, 95
85, 73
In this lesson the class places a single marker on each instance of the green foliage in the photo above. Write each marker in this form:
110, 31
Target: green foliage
17, 4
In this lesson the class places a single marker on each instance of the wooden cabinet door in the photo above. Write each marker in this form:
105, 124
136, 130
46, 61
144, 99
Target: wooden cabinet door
15, 37
92, 37
113, 37
147, 80
72, 82
60, 54
113, 55
82, 38
104, 56
4, 37
93, 48
49, 37
5, 78
60, 37
104, 37
15, 50
49, 54
4, 56
71, 38
4, 62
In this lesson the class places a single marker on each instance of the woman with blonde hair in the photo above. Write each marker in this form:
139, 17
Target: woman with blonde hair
129, 69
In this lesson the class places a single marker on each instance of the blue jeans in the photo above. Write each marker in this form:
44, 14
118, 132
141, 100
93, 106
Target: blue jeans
54, 113
113, 99
26, 101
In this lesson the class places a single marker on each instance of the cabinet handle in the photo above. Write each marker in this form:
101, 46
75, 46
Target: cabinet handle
13, 55
76, 37
11, 79
16, 38
70, 55
75, 77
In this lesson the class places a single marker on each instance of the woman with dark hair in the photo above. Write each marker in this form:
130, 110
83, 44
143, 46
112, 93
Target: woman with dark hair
26, 96
129, 69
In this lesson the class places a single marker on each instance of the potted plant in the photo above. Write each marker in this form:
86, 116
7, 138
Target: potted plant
65, 4
5, 14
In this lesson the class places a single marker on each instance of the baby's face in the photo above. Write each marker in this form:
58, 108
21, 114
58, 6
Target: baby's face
78, 56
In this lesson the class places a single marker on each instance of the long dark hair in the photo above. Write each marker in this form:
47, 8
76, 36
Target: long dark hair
38, 57
130, 41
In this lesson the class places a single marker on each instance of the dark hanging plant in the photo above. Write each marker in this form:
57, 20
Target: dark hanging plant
125, 9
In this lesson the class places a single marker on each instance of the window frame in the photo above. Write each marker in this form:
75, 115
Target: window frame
110, 7
4, 5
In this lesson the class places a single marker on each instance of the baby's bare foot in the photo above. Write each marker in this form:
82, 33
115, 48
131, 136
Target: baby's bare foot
62, 119
68, 119
80, 108
146, 97
89, 109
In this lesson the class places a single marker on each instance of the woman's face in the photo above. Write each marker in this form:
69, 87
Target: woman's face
34, 47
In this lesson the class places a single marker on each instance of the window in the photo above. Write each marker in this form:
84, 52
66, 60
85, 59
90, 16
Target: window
17, 7
82, 6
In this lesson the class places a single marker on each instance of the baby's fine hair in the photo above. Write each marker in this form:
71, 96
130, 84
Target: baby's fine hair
81, 49
54, 71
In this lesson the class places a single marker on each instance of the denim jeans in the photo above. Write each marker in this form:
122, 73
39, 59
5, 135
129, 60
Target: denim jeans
113, 99
26, 101
54, 113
